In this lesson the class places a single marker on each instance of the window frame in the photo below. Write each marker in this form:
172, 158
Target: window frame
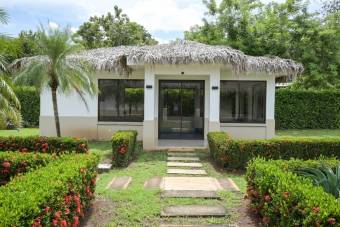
238, 89
115, 118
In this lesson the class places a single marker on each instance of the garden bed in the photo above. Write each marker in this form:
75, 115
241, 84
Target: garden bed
281, 198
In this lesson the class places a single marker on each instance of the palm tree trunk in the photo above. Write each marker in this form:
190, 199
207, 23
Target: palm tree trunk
55, 109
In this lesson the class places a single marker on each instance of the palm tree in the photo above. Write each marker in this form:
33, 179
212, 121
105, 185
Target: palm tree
9, 103
53, 68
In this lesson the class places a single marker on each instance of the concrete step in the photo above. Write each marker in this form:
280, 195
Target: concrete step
190, 194
119, 183
190, 183
187, 171
184, 164
182, 154
194, 211
153, 183
104, 167
184, 159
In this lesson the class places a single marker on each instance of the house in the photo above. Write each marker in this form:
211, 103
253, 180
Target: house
172, 94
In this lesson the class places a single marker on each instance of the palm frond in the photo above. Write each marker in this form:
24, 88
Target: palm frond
3, 16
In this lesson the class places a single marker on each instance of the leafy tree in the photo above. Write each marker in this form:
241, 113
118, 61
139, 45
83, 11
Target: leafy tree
112, 30
9, 104
53, 69
286, 30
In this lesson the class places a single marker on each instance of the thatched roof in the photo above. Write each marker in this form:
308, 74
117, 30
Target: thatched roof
184, 52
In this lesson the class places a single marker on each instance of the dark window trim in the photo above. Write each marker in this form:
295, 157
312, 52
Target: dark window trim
238, 86
113, 118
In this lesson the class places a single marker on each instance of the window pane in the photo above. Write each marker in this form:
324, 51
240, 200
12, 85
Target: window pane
121, 100
243, 101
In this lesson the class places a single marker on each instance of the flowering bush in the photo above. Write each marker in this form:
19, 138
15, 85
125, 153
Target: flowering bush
281, 198
123, 147
232, 153
12, 164
55, 195
42, 144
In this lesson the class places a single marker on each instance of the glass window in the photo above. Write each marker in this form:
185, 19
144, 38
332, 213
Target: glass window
121, 100
243, 101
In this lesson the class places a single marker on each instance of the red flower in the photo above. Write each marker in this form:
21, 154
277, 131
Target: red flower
6, 165
57, 215
47, 209
267, 198
93, 181
87, 190
266, 220
36, 223
331, 221
67, 211
315, 210
122, 149
75, 221
63, 223
54, 222
67, 199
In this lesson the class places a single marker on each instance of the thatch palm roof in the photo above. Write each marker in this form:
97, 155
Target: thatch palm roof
183, 52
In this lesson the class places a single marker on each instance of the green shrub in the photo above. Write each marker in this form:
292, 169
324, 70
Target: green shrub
282, 198
307, 109
57, 145
55, 195
123, 147
12, 164
30, 105
231, 153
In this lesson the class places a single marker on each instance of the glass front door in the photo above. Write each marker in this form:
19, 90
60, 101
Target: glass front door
181, 109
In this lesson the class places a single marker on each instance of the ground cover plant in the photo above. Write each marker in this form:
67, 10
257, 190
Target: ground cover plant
123, 147
282, 198
43, 144
55, 195
232, 153
13, 164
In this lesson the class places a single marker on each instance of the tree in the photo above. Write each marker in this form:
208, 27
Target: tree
287, 30
112, 30
52, 68
9, 103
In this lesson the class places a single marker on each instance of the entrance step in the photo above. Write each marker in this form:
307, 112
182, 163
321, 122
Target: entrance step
185, 159
194, 211
183, 154
184, 164
187, 171
190, 183
190, 194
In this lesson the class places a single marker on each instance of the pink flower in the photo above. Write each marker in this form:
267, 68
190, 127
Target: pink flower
6, 165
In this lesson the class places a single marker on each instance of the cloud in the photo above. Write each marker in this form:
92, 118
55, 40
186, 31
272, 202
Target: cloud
53, 25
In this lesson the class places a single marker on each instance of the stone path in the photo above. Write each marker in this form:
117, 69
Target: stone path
119, 183
195, 186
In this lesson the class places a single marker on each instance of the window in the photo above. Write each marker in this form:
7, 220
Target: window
121, 100
243, 101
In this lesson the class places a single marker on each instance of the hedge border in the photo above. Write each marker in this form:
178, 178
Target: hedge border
57, 194
281, 198
123, 147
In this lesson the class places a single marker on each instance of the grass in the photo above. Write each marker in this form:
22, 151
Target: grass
309, 133
22, 132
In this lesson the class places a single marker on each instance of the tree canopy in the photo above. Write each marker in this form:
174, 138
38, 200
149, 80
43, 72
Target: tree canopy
286, 30
112, 30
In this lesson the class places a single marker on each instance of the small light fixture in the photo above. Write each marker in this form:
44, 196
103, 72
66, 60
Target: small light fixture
182, 73
214, 87
149, 86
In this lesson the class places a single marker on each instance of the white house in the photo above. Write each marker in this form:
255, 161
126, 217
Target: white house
172, 94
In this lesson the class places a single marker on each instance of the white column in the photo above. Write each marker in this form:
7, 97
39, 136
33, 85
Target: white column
270, 107
149, 126
214, 100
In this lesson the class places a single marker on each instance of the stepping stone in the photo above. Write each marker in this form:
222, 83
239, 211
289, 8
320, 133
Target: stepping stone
190, 194
229, 184
176, 154
190, 183
184, 159
104, 167
119, 183
153, 183
184, 164
194, 211
187, 171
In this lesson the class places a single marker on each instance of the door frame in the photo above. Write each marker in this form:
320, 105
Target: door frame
159, 106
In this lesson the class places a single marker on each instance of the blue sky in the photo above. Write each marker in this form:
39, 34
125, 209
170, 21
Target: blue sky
164, 19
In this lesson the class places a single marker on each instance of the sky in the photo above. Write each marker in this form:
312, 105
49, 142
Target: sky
164, 19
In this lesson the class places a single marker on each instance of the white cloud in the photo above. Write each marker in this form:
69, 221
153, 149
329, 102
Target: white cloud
53, 25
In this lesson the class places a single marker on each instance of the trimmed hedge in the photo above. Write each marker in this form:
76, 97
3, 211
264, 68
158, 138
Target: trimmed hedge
281, 198
55, 195
50, 145
307, 109
30, 105
13, 164
231, 153
123, 147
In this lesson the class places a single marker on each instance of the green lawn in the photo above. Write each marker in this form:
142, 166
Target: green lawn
309, 133
21, 132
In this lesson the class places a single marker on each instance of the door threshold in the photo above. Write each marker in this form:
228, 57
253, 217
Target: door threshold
181, 145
